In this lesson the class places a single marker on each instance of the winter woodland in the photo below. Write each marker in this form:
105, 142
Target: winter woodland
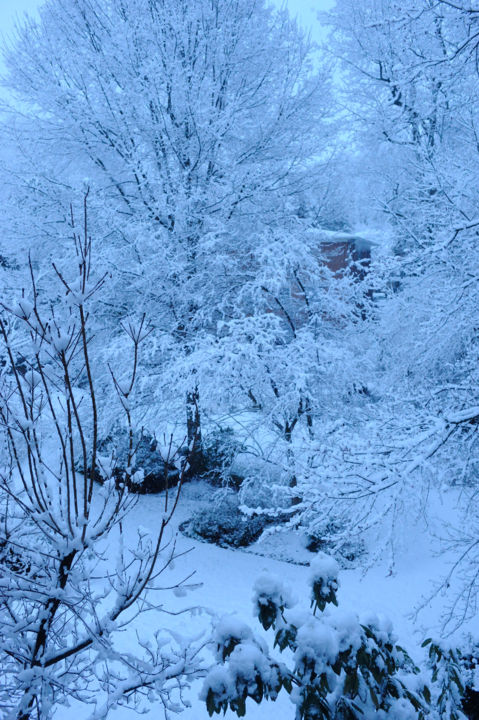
239, 344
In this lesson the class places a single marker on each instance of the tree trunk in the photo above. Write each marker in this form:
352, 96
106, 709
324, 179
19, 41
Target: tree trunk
50, 610
288, 432
193, 429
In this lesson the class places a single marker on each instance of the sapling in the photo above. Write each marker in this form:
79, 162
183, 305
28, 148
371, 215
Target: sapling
63, 595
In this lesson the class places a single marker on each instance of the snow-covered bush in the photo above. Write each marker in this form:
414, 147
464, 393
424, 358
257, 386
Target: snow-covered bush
452, 671
339, 667
322, 535
150, 471
223, 523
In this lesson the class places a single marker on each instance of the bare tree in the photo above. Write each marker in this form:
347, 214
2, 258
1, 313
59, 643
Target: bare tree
62, 594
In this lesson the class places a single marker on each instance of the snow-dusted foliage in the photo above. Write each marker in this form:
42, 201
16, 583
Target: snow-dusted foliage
324, 581
448, 675
71, 579
339, 666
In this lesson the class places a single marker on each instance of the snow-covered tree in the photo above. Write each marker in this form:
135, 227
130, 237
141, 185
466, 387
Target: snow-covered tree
292, 361
413, 88
195, 124
65, 592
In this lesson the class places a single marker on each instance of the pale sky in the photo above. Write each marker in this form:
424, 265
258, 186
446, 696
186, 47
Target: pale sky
10, 9
306, 11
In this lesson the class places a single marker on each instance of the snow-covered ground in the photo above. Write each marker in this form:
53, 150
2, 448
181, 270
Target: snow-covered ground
227, 578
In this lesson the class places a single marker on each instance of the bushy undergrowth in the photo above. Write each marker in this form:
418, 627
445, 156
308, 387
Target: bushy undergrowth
223, 523
338, 667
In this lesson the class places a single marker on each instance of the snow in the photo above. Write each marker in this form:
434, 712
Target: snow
268, 588
247, 662
341, 359
227, 580
23, 308
220, 681
32, 378
400, 710
348, 630
316, 640
61, 342
324, 568
229, 626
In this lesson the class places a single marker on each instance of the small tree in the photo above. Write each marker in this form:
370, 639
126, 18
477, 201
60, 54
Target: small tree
62, 595
341, 668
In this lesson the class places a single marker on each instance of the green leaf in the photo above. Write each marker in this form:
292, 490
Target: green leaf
415, 702
369, 633
267, 613
392, 690
286, 637
374, 698
239, 706
324, 685
457, 681
357, 708
351, 684
211, 703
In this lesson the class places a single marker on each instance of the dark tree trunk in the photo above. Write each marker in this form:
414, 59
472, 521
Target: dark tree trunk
193, 429
288, 432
